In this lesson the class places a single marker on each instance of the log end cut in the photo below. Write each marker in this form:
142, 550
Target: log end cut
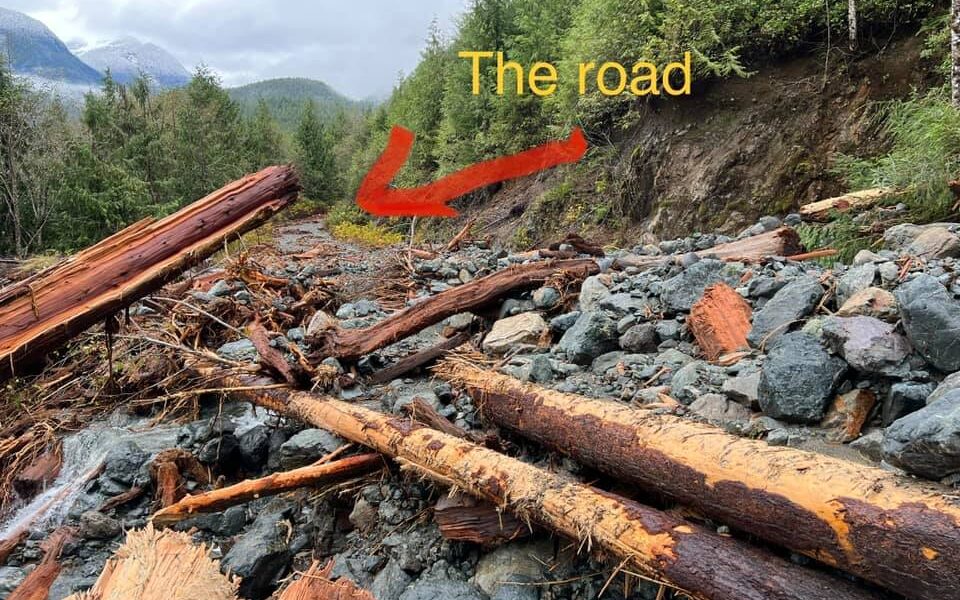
720, 321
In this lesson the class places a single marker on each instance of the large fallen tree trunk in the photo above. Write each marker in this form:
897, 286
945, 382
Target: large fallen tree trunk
36, 586
271, 485
153, 565
39, 314
862, 520
351, 344
822, 209
654, 543
780, 242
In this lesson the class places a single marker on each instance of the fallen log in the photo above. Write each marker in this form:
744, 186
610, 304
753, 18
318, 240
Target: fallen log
154, 565
8, 545
822, 209
780, 242
39, 315
271, 485
419, 359
316, 584
862, 520
655, 544
461, 235
37, 584
271, 357
351, 344
720, 321
40, 473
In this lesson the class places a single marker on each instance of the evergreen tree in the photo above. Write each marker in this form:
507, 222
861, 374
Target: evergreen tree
318, 173
263, 141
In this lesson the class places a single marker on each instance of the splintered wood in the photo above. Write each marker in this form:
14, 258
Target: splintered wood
154, 565
720, 321
316, 584
863, 520
821, 210
39, 314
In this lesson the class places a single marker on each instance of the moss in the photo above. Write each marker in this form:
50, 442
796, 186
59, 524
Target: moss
368, 234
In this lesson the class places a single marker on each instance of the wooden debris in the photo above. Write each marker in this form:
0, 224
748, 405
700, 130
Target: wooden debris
822, 209
579, 244
155, 565
39, 315
166, 472
463, 518
461, 235
652, 543
780, 242
8, 545
814, 255
271, 485
37, 584
351, 344
847, 415
720, 321
121, 499
273, 358
316, 584
419, 359
40, 473
863, 520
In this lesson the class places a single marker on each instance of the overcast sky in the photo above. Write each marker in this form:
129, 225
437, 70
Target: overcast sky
357, 46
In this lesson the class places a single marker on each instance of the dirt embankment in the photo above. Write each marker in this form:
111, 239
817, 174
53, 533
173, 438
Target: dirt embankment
736, 150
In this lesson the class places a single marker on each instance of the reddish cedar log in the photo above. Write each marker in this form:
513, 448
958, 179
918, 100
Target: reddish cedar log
862, 520
40, 473
37, 584
154, 565
351, 344
40, 314
720, 321
653, 543
271, 485
780, 242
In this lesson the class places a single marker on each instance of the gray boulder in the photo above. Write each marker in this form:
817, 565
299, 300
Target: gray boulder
855, 280
94, 525
592, 291
798, 379
261, 554
390, 582
682, 291
904, 398
546, 298
525, 328
640, 339
931, 319
593, 334
719, 409
934, 243
239, 351
927, 442
744, 388
792, 303
952, 382
307, 446
869, 345
124, 462
442, 588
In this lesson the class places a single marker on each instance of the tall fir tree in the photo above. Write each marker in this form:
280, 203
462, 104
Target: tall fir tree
315, 161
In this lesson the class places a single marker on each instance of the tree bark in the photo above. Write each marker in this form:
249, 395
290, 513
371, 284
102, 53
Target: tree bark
720, 321
351, 344
463, 518
852, 23
419, 359
38, 316
654, 543
859, 519
153, 565
271, 485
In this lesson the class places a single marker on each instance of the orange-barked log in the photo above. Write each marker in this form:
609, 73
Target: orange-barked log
862, 520
654, 543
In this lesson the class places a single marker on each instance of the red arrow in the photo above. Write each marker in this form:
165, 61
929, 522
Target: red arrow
377, 197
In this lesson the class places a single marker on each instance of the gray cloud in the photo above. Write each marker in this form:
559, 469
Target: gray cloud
358, 47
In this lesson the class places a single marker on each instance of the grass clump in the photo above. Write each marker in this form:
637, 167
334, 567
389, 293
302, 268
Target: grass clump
367, 234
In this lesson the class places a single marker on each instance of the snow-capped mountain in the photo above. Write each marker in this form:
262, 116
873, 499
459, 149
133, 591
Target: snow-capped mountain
34, 51
126, 58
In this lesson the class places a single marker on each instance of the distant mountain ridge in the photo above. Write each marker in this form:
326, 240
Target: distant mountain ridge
33, 50
127, 58
287, 96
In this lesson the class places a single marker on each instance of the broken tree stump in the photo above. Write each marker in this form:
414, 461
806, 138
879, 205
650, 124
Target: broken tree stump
859, 519
463, 518
351, 344
40, 314
316, 584
822, 209
271, 485
167, 470
720, 321
155, 565
651, 542
780, 242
